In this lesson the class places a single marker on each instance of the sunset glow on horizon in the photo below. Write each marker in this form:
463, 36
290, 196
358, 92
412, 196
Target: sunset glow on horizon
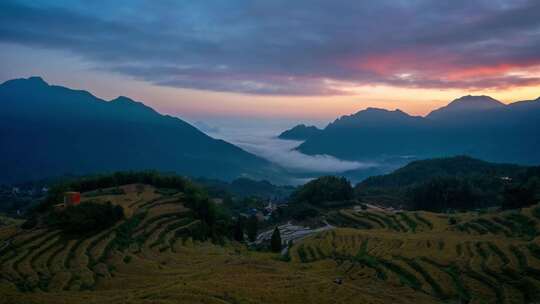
235, 59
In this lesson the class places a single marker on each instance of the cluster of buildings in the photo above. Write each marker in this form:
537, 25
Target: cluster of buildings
17, 199
263, 213
24, 191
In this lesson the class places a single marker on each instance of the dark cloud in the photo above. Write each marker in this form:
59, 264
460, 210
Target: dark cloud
303, 47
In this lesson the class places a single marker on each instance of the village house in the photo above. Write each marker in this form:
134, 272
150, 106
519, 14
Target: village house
70, 199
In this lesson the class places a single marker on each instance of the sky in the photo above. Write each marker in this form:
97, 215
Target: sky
303, 60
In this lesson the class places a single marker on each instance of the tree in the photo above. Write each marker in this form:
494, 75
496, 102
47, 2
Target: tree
443, 193
518, 196
275, 242
322, 190
238, 230
251, 227
86, 218
301, 211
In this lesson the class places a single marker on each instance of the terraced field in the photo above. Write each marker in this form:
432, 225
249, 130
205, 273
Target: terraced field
380, 257
150, 258
474, 258
44, 260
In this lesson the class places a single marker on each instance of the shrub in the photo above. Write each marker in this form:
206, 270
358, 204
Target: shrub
124, 232
238, 229
30, 223
444, 193
518, 196
86, 217
252, 227
301, 211
275, 242
324, 189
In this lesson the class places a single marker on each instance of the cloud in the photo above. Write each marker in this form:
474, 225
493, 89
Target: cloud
263, 143
303, 47
206, 128
281, 152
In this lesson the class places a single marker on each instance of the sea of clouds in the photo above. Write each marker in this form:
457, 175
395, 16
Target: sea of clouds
260, 138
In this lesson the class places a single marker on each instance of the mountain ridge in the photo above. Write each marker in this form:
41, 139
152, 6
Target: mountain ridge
53, 130
300, 132
465, 104
496, 132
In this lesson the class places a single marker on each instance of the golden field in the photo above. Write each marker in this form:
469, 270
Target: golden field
380, 257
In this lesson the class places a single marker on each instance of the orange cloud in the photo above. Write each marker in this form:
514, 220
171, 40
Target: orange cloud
439, 70
480, 71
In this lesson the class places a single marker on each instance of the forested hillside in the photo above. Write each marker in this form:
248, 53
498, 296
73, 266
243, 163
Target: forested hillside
454, 183
48, 131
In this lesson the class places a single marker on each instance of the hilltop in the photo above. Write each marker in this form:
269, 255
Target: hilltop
456, 183
464, 105
458, 166
300, 132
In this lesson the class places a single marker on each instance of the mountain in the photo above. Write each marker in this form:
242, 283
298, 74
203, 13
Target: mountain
300, 132
478, 126
464, 105
49, 130
368, 134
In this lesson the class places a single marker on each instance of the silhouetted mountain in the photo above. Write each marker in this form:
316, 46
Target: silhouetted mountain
300, 132
50, 130
478, 126
368, 134
464, 105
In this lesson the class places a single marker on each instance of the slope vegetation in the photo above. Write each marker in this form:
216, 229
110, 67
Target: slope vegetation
152, 257
486, 258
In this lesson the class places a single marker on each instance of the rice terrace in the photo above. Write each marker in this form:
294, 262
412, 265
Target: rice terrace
371, 256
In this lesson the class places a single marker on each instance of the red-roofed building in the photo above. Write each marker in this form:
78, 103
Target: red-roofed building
72, 198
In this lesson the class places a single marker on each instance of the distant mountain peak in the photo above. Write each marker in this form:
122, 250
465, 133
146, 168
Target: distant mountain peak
464, 104
300, 132
130, 103
372, 113
477, 100
37, 80
379, 111
375, 117
33, 81
122, 99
